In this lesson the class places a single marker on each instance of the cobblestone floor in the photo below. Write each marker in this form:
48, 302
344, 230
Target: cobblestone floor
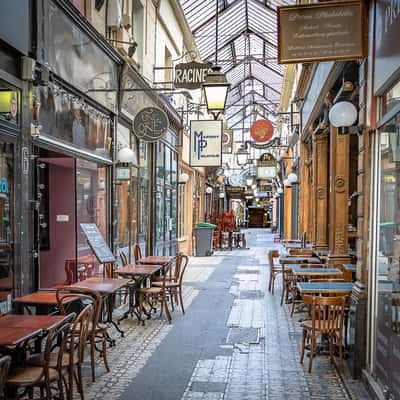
257, 358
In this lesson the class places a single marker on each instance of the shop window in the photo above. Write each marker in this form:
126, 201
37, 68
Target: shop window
6, 226
144, 192
9, 103
387, 334
181, 211
391, 99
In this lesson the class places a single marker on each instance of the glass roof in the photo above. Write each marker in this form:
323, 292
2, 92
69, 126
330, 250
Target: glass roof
245, 48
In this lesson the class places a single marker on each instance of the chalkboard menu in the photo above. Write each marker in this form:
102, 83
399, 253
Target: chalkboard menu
97, 243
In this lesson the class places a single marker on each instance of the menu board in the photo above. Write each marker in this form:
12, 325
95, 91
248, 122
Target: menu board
97, 243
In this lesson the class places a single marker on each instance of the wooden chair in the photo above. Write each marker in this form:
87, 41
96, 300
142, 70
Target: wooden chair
137, 253
152, 296
301, 252
97, 331
5, 363
174, 285
27, 378
72, 359
123, 257
274, 270
327, 318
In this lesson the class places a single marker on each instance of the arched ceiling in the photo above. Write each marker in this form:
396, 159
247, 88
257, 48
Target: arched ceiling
246, 50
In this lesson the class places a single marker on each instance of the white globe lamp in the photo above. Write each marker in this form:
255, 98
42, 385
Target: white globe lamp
292, 178
343, 114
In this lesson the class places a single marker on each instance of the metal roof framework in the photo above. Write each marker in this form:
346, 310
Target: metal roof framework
246, 47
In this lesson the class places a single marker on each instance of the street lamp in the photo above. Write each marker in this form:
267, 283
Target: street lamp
241, 155
215, 90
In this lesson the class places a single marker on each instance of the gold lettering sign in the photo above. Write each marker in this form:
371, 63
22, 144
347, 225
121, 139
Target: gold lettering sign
328, 31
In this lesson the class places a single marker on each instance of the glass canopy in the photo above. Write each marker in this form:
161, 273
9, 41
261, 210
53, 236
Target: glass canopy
246, 50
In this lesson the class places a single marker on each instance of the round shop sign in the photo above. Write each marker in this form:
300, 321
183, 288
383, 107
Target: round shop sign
262, 130
150, 124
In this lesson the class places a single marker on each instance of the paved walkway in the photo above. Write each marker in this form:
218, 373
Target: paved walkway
235, 342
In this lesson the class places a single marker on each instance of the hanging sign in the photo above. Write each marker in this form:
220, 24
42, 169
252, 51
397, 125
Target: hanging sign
262, 130
328, 31
150, 124
205, 143
266, 167
191, 75
227, 141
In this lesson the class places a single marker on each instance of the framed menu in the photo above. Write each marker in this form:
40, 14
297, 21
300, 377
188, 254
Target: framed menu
97, 243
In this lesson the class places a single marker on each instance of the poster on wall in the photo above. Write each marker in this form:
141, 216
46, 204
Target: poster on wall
328, 31
205, 143
227, 135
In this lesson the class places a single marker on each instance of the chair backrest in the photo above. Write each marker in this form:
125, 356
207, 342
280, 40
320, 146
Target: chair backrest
64, 295
137, 253
183, 261
327, 313
271, 255
301, 252
123, 257
5, 363
79, 333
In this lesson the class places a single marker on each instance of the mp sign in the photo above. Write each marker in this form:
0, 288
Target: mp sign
190, 75
205, 143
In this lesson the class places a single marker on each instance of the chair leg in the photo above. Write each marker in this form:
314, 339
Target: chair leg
331, 356
283, 292
92, 350
104, 351
60, 388
340, 344
140, 298
79, 381
294, 294
181, 300
270, 282
70, 392
303, 345
312, 349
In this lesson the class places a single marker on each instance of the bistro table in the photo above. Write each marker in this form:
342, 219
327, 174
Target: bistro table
138, 273
42, 300
312, 272
339, 288
106, 287
299, 259
162, 260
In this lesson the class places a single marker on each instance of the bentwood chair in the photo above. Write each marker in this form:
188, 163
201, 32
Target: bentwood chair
5, 363
97, 331
29, 377
72, 359
137, 253
274, 270
327, 318
174, 284
123, 257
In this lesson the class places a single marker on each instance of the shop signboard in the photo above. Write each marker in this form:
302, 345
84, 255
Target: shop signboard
227, 135
262, 130
191, 75
97, 243
150, 124
205, 143
328, 31
234, 192
387, 55
266, 167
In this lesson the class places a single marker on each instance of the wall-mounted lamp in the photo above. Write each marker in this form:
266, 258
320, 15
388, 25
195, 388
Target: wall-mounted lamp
241, 155
343, 114
249, 181
209, 190
222, 195
183, 178
279, 191
126, 156
292, 178
287, 183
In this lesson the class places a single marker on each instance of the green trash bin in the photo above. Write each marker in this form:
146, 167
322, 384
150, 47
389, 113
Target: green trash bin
203, 233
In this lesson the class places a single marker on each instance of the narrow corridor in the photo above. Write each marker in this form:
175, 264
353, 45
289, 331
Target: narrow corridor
234, 342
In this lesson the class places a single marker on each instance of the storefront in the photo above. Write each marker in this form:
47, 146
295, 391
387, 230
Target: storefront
157, 198
74, 128
15, 254
384, 286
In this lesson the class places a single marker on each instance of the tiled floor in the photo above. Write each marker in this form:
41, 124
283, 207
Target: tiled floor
235, 342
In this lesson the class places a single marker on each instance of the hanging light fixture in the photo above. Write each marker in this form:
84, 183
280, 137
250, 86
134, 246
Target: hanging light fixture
222, 195
215, 90
241, 155
126, 155
249, 181
183, 178
279, 190
209, 190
